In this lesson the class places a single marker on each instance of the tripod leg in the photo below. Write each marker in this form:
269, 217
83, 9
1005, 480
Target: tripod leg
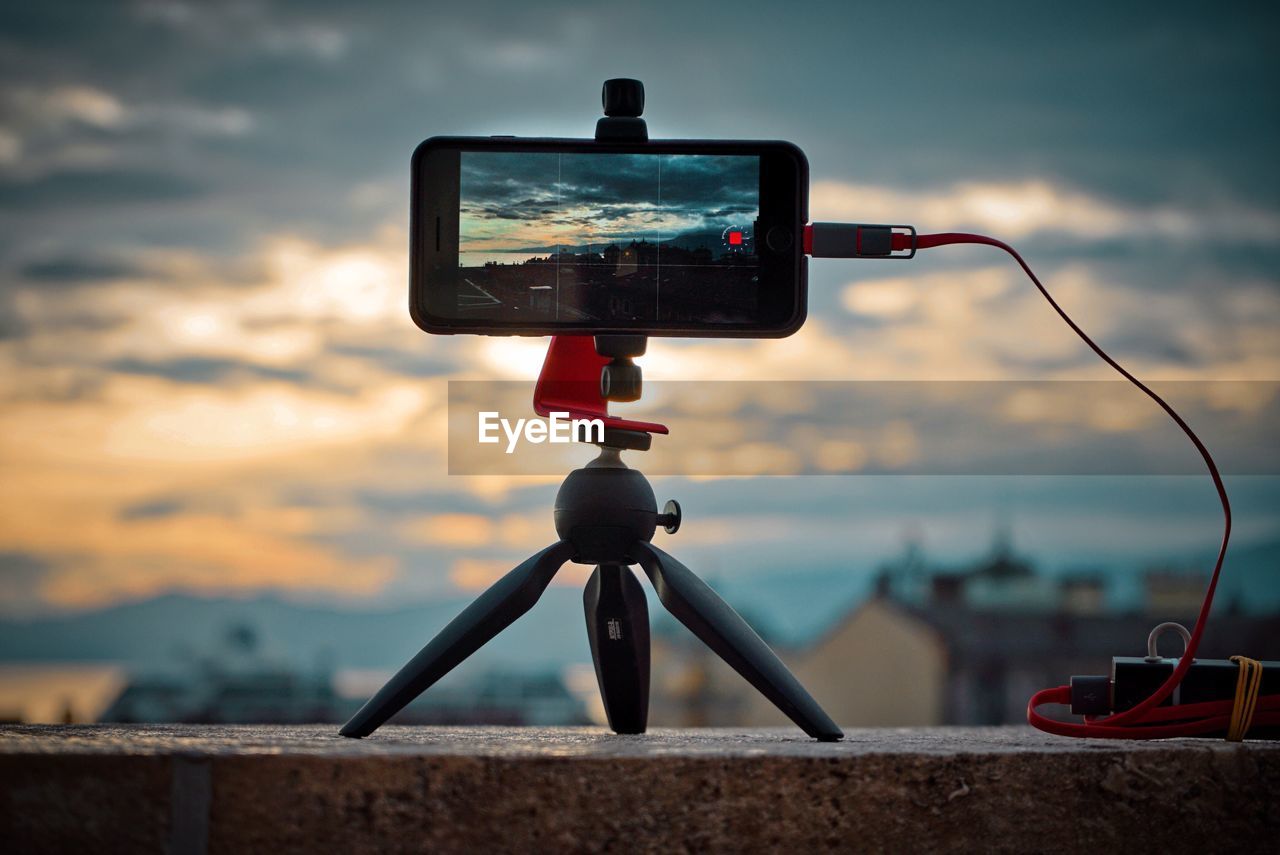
723, 630
490, 613
618, 629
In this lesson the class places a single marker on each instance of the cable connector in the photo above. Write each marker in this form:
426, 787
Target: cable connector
859, 240
1216, 698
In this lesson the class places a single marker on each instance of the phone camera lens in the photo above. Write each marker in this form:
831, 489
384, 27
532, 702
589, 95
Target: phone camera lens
778, 239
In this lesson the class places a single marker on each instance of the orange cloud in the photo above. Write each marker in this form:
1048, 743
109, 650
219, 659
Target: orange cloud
107, 560
80, 442
1016, 209
473, 574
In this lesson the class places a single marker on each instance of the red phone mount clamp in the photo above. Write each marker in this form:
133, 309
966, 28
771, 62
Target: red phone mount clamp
582, 373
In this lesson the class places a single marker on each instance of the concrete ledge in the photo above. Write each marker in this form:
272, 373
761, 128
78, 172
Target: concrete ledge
218, 789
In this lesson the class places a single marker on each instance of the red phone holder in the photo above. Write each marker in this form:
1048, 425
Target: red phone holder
574, 380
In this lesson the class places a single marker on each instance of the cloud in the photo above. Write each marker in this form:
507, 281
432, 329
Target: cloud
205, 371
10, 147
96, 187
218, 22
1016, 209
53, 129
152, 509
476, 574
471, 530
190, 376
287, 387
78, 269
231, 396
59, 106
530, 201
267, 421
205, 554
279, 305
125, 464
195, 120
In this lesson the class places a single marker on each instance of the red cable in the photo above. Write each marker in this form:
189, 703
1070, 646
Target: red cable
1124, 725
1182, 719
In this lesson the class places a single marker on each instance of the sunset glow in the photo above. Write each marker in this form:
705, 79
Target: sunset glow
210, 383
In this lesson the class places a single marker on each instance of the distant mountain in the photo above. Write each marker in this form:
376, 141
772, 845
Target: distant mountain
1250, 576
171, 630
711, 239
787, 608
174, 630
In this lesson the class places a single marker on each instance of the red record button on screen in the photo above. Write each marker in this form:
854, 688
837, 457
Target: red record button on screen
735, 238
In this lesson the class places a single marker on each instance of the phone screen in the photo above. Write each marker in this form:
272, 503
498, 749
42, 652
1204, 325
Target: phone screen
598, 237
558, 240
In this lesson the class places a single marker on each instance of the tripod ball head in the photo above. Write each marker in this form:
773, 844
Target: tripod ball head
603, 512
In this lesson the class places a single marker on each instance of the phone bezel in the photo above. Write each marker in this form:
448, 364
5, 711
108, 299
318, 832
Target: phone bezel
783, 202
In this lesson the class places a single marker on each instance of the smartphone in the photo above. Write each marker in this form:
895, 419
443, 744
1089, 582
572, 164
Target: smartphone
565, 236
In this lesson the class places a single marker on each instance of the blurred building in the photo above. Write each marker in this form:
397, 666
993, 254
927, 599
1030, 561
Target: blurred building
58, 692
966, 647
239, 683
1173, 590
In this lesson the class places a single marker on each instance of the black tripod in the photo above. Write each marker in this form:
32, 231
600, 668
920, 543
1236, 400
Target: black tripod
606, 514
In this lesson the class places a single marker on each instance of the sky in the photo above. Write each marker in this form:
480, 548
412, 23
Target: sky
209, 381
534, 200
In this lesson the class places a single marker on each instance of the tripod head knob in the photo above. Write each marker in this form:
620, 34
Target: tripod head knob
623, 100
670, 517
623, 96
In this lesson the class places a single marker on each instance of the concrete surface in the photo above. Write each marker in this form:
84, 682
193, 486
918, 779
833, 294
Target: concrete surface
220, 789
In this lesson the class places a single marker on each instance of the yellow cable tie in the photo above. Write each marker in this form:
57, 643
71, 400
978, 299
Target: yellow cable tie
1248, 682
